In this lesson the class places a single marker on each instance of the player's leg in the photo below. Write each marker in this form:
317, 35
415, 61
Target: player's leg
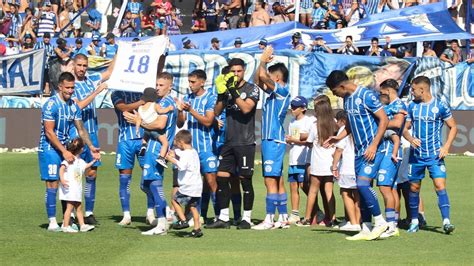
49, 162
245, 164
416, 173
438, 173
236, 198
282, 206
385, 179
209, 168
90, 184
124, 162
271, 201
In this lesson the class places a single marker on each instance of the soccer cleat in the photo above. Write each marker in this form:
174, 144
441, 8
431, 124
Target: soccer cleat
69, 229
54, 228
413, 228
390, 232
281, 225
293, 219
87, 227
151, 220
219, 224
244, 225
125, 221
350, 227
196, 233
303, 223
162, 161
263, 226
362, 235
180, 225
422, 221
142, 150
90, 220
448, 228
377, 231
158, 230
72, 221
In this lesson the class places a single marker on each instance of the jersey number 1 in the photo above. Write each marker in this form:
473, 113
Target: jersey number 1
142, 64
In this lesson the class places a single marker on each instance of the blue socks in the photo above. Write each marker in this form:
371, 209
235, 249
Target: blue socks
124, 191
369, 196
364, 211
414, 203
390, 215
443, 203
50, 200
282, 199
271, 203
156, 188
236, 205
89, 193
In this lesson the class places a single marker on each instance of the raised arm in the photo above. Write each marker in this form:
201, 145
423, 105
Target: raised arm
86, 101
262, 77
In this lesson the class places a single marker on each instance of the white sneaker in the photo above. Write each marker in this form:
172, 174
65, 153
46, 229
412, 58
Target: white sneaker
281, 225
87, 227
54, 228
158, 230
377, 231
151, 220
262, 226
293, 219
69, 229
125, 221
350, 227
390, 232
191, 222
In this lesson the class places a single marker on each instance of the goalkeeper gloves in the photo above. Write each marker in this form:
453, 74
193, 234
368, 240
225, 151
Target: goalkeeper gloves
221, 84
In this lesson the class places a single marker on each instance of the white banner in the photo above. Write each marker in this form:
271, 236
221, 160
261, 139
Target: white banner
22, 73
136, 64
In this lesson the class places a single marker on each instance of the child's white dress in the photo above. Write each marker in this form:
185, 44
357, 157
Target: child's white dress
73, 175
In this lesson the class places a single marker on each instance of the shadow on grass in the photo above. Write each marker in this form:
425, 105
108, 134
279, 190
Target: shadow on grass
181, 234
434, 229
44, 226
326, 230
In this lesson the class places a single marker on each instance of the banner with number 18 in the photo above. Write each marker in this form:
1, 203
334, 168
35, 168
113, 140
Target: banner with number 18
136, 64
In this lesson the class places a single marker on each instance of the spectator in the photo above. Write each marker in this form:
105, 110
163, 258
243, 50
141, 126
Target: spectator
453, 8
94, 47
374, 49
15, 20
262, 44
30, 21
162, 7
339, 24
187, 44
348, 48
199, 22
427, 51
127, 26
27, 40
211, 9
238, 42
332, 16
383, 6
223, 25
296, 43
148, 23
76, 24
289, 8
215, 44
174, 22
3, 49
49, 50
318, 14
259, 16
109, 48
62, 51
306, 9
318, 46
13, 46
321, 25
136, 9
452, 54
95, 21
279, 15
160, 26
64, 20
47, 20
355, 13
234, 9
79, 49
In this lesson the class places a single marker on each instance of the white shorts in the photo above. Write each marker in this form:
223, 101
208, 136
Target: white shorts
347, 181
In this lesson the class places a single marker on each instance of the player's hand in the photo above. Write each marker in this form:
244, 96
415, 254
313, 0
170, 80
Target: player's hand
186, 106
64, 183
394, 158
221, 84
369, 154
330, 142
69, 157
130, 117
416, 143
179, 103
443, 151
231, 81
102, 87
267, 55
95, 153
220, 123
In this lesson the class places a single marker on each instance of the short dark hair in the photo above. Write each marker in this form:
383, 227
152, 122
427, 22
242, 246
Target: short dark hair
80, 56
165, 75
454, 40
421, 79
374, 39
336, 78
389, 83
236, 62
66, 76
349, 36
280, 67
75, 145
198, 73
184, 136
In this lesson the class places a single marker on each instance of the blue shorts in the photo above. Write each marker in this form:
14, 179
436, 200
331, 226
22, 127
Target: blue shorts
49, 163
364, 168
387, 174
86, 154
296, 173
417, 166
151, 169
127, 150
272, 156
208, 162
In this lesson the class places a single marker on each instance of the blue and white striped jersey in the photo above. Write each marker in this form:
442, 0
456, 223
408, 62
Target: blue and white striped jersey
110, 50
360, 107
427, 122
49, 50
82, 89
126, 130
391, 110
202, 135
218, 134
46, 23
135, 7
170, 128
63, 114
274, 112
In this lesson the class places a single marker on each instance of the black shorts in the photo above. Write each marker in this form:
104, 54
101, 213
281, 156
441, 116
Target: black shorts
237, 159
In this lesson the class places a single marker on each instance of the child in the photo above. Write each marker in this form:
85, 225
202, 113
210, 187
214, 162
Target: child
389, 133
344, 171
299, 128
71, 186
148, 113
189, 180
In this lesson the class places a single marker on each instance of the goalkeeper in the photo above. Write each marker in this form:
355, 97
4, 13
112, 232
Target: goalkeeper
239, 98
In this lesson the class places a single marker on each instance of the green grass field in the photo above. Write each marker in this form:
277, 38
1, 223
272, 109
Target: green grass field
24, 239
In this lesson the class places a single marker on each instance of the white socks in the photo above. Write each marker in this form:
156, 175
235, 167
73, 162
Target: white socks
224, 215
379, 220
247, 216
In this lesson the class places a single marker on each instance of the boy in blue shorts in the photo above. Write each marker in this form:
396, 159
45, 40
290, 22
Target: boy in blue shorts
426, 116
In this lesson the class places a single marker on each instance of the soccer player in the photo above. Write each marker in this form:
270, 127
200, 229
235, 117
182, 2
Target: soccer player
426, 116
387, 175
368, 122
59, 115
238, 152
128, 148
274, 84
152, 176
87, 88
197, 109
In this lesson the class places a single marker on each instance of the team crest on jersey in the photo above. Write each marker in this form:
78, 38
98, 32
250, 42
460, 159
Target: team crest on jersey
73, 108
212, 164
268, 168
243, 96
358, 101
442, 168
368, 169
373, 98
50, 105
435, 110
381, 178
